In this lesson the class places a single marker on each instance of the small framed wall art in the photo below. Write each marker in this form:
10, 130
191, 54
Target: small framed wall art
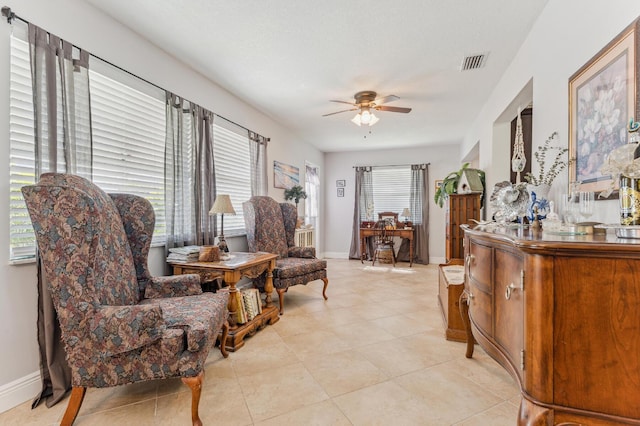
341, 183
340, 192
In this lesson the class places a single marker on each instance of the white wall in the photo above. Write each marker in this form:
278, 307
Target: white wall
566, 35
339, 210
84, 26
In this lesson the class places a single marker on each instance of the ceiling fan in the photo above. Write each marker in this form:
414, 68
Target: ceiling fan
365, 103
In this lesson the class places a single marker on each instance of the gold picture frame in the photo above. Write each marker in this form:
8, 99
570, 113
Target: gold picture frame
603, 96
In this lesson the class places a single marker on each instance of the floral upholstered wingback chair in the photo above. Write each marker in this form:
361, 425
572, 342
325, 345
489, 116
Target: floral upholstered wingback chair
271, 227
119, 324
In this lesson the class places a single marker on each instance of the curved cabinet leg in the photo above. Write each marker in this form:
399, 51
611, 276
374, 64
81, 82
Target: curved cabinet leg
195, 384
75, 401
466, 322
534, 415
324, 289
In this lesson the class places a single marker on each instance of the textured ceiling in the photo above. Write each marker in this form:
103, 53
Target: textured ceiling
289, 58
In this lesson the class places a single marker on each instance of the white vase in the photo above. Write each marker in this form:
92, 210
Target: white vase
538, 198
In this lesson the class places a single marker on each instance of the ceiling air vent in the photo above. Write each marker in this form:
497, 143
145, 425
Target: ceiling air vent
473, 62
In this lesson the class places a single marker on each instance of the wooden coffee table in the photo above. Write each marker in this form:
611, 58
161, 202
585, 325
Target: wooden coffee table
250, 265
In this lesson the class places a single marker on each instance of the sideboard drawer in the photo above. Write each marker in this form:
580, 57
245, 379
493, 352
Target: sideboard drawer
480, 308
479, 266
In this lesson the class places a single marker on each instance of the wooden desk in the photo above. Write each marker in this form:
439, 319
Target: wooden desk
407, 233
250, 265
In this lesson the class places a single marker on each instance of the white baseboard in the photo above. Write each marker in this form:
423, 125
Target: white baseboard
345, 255
19, 391
336, 255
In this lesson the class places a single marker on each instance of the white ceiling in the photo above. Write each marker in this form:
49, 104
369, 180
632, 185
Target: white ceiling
288, 58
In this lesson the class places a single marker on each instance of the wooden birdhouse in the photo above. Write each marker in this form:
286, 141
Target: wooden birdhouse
469, 182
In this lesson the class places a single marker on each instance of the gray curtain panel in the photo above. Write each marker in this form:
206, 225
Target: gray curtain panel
363, 202
190, 188
60, 79
419, 207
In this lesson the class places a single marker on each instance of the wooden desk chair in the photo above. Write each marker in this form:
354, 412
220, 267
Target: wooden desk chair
383, 242
390, 217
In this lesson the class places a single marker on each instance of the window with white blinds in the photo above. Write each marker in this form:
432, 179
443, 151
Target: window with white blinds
391, 189
21, 161
128, 128
233, 171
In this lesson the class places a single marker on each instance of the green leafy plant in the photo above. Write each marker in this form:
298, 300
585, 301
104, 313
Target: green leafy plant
450, 184
295, 193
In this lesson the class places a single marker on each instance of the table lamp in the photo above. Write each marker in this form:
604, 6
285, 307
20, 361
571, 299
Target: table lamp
222, 205
407, 215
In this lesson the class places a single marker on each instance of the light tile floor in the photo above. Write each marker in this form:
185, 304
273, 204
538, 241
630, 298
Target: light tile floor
373, 354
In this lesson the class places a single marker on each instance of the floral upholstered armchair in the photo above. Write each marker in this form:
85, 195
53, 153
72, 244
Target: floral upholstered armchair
119, 324
271, 227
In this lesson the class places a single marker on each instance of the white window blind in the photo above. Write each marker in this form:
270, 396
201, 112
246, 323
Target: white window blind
128, 131
233, 170
128, 127
391, 189
21, 155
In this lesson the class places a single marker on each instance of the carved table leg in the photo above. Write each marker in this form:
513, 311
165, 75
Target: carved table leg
268, 285
464, 313
234, 298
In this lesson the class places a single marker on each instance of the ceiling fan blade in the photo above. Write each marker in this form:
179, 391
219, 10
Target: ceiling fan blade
393, 109
386, 99
344, 102
338, 112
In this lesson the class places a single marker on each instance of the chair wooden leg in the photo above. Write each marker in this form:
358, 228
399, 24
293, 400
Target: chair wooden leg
195, 383
75, 401
281, 292
324, 289
223, 339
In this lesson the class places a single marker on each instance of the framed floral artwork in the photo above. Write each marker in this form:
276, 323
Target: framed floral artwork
603, 96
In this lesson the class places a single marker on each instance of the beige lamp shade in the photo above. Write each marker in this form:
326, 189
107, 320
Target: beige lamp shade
406, 213
223, 205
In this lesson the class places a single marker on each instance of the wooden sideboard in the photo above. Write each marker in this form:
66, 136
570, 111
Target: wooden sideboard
562, 315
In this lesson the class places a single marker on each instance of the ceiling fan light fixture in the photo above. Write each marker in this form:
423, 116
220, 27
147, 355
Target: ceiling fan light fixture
365, 117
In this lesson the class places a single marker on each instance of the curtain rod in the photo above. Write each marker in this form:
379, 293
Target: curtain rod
6, 12
393, 165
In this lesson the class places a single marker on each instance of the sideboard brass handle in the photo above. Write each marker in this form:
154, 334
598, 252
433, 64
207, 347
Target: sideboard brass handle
470, 257
510, 288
